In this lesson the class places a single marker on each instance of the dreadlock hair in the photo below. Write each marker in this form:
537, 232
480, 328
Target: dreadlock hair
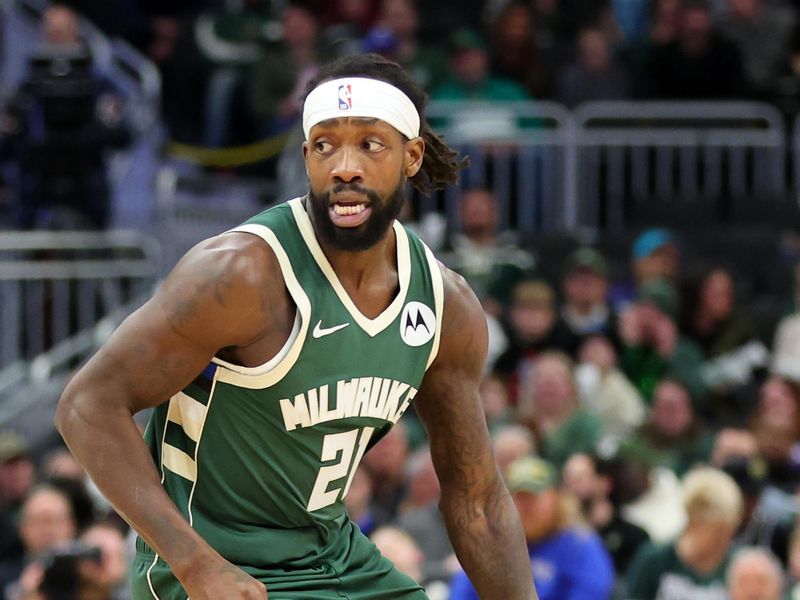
440, 164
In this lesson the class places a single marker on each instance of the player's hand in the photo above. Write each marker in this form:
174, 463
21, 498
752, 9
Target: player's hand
223, 581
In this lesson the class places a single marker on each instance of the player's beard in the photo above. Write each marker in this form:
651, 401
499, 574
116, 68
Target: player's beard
366, 235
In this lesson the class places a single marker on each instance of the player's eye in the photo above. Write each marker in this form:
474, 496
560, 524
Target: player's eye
323, 146
371, 145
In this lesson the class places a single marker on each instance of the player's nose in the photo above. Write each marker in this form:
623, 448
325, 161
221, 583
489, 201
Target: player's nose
348, 166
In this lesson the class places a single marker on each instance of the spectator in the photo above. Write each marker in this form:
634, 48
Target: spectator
734, 356
471, 78
533, 327
775, 462
594, 75
386, 464
693, 566
496, 402
755, 574
698, 64
46, 521
276, 85
762, 31
399, 21
359, 500
515, 53
346, 23
420, 518
591, 481
713, 320
230, 38
666, 22
59, 126
585, 286
652, 346
647, 493
655, 255
568, 560
106, 578
605, 390
489, 258
17, 476
674, 430
779, 396
510, 443
400, 548
550, 407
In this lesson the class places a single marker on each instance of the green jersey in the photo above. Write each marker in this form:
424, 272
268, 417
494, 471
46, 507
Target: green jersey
658, 573
259, 459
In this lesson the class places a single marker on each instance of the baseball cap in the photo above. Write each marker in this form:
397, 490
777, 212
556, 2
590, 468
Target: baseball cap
12, 445
466, 39
586, 258
531, 474
650, 241
662, 294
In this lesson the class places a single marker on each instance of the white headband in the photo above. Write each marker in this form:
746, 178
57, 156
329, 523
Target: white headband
361, 97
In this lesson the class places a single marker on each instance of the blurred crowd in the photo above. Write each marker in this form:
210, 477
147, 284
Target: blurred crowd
648, 430
647, 425
233, 71
235, 68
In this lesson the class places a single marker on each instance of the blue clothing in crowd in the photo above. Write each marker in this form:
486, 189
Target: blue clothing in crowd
571, 565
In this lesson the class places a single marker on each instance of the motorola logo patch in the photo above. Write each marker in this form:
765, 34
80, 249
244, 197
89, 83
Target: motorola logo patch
417, 324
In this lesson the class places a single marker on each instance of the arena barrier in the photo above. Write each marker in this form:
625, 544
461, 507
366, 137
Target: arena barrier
635, 157
598, 169
55, 285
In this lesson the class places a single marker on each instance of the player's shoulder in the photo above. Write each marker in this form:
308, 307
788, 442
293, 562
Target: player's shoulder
244, 259
459, 297
464, 336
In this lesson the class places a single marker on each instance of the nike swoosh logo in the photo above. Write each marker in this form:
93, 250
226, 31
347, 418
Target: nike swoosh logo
320, 331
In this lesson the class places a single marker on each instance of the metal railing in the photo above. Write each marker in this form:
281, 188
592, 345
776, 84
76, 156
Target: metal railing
54, 285
523, 151
639, 155
599, 168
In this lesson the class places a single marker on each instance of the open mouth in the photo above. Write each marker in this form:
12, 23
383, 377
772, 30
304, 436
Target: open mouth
349, 209
349, 214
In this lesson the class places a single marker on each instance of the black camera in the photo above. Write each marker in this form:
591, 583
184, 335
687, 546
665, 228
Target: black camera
66, 86
61, 578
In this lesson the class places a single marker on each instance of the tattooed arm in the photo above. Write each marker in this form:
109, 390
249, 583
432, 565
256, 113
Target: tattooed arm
225, 293
481, 519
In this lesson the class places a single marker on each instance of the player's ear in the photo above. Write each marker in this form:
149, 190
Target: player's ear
414, 153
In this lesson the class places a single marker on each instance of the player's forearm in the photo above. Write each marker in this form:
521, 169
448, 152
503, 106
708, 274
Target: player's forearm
104, 439
487, 537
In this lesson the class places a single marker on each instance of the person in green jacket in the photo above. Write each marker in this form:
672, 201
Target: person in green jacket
653, 347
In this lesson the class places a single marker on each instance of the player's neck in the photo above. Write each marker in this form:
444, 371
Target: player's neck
356, 269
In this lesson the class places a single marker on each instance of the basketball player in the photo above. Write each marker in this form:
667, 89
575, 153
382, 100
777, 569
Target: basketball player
287, 348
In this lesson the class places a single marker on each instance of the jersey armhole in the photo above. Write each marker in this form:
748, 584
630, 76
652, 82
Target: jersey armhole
271, 372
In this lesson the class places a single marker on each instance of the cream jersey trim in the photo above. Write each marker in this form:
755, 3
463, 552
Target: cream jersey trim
438, 299
271, 372
371, 326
